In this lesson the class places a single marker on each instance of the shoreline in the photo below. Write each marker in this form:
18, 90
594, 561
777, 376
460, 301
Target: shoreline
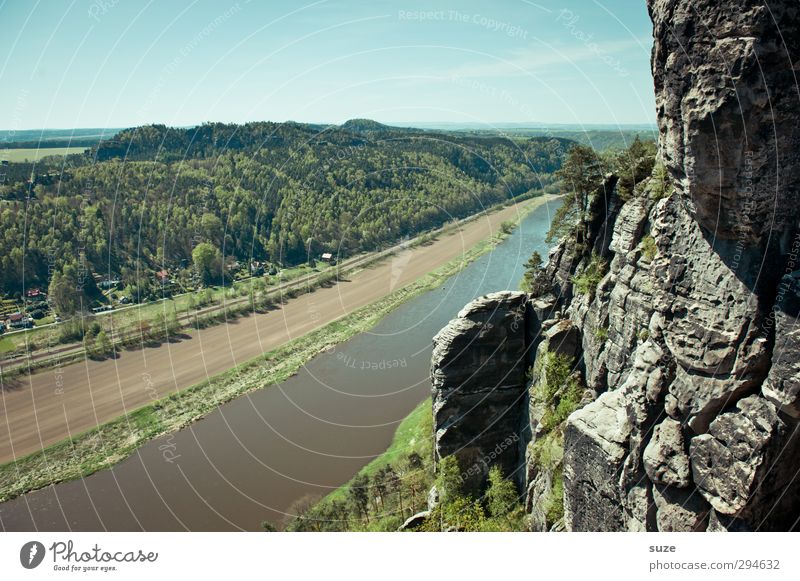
110, 442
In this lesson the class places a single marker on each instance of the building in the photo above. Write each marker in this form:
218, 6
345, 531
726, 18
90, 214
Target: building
19, 321
328, 257
163, 277
35, 293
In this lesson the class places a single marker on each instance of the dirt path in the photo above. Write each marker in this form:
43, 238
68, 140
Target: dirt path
48, 406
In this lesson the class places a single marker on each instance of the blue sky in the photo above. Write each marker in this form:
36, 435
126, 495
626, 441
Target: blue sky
118, 63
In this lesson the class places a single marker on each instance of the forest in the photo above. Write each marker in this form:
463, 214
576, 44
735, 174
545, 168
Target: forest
143, 201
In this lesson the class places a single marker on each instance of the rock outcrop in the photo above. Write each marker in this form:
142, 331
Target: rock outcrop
479, 388
689, 345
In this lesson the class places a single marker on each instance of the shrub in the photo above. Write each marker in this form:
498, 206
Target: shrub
649, 248
586, 282
659, 186
554, 504
501, 496
556, 391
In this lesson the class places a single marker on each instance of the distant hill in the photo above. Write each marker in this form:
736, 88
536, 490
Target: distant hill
142, 200
49, 138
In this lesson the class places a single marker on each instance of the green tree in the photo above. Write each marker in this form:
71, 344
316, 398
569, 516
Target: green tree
580, 176
634, 165
103, 345
534, 280
449, 481
359, 494
207, 261
501, 495
72, 292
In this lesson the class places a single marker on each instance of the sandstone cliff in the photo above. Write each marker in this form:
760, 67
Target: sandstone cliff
688, 348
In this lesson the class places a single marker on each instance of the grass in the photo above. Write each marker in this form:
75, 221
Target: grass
587, 280
649, 248
414, 434
6, 345
105, 445
20, 155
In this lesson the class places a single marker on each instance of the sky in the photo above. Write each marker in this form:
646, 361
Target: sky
122, 63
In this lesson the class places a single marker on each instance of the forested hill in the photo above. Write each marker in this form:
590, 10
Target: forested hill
261, 191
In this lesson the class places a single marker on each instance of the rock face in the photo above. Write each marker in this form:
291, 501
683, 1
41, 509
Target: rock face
726, 98
690, 353
665, 460
479, 387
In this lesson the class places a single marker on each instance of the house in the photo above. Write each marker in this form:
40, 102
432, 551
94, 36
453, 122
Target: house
34, 293
107, 284
328, 257
163, 277
256, 268
19, 321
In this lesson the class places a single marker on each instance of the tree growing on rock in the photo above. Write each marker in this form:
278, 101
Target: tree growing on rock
580, 175
535, 281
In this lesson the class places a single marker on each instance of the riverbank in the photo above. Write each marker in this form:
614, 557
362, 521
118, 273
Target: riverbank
102, 447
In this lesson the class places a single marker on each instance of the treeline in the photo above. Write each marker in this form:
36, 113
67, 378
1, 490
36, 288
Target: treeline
263, 191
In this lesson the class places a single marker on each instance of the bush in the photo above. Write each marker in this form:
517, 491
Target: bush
501, 496
557, 391
649, 248
659, 186
586, 282
554, 504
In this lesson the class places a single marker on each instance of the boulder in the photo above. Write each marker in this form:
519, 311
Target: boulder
680, 510
745, 465
665, 459
595, 446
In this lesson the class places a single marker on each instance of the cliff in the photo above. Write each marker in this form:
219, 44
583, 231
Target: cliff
687, 351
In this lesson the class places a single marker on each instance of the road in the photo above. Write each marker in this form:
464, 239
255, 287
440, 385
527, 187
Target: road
48, 406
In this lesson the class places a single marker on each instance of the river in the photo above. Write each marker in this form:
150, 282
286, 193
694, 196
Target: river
253, 457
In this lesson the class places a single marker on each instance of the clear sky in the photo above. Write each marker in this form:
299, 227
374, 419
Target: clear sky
119, 63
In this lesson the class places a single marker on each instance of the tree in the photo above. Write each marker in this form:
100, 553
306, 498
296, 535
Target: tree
212, 227
207, 261
449, 482
580, 176
70, 292
634, 165
103, 345
358, 493
501, 495
534, 280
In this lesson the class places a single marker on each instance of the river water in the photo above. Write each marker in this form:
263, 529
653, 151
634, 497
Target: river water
253, 457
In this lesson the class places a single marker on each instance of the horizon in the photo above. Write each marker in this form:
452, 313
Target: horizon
399, 125
98, 64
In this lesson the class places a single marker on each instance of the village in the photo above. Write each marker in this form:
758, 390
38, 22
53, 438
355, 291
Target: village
33, 308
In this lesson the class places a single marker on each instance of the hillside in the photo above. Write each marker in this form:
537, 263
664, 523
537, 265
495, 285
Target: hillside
280, 193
